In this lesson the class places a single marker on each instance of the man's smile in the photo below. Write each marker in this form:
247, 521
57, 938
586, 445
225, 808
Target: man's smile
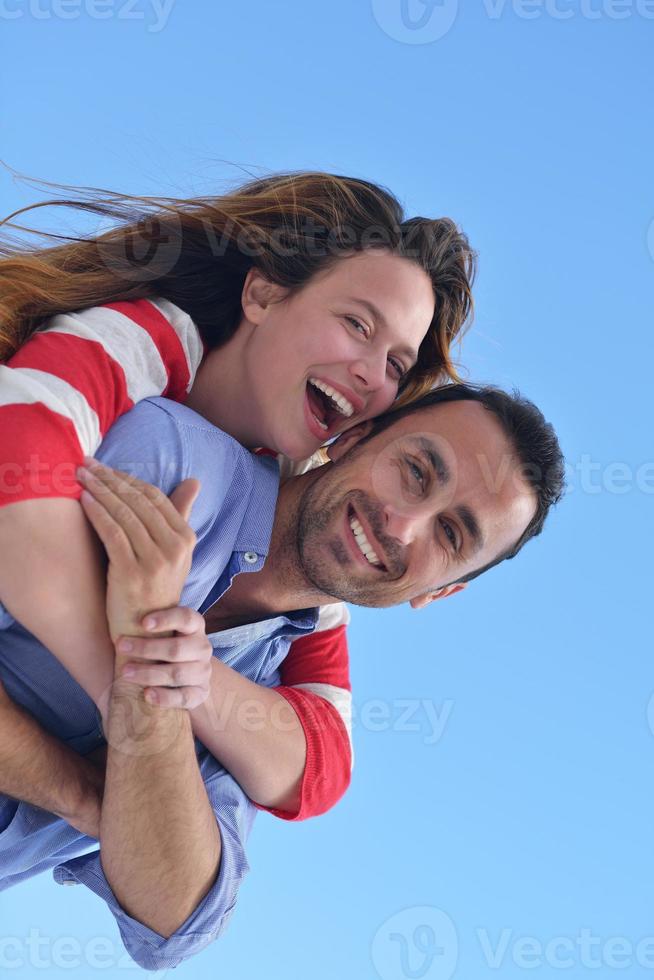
363, 545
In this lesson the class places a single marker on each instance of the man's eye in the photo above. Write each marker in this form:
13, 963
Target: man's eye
416, 473
450, 532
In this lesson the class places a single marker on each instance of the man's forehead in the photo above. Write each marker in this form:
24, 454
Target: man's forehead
449, 428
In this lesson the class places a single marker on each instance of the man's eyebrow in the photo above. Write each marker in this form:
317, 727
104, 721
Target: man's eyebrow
471, 525
437, 463
377, 315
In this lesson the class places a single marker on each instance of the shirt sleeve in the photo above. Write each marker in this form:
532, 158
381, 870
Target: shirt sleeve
235, 814
316, 683
66, 386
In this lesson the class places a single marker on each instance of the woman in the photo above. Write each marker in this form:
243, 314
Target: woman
284, 312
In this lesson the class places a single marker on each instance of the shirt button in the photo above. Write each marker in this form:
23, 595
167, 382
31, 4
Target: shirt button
251, 557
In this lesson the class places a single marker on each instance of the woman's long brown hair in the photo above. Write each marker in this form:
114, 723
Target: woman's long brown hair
196, 253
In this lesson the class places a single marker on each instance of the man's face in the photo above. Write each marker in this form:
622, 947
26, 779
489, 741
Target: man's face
435, 496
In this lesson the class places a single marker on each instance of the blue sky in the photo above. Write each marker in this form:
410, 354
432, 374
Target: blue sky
502, 797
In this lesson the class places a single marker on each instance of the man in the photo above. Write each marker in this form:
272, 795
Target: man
414, 506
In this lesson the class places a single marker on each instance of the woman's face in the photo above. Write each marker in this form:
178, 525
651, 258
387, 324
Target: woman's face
333, 354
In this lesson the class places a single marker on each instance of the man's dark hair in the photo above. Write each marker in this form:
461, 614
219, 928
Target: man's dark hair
534, 440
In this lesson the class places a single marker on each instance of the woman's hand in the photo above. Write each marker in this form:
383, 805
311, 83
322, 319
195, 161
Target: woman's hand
147, 539
175, 671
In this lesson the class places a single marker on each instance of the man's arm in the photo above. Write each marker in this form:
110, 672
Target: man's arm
39, 769
158, 832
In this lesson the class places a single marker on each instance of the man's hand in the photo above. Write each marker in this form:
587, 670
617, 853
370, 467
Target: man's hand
175, 671
147, 539
39, 769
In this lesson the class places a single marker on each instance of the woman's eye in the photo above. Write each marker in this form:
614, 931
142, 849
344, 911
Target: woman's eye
398, 368
352, 320
449, 531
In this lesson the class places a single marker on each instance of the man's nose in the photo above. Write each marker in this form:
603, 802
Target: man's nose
402, 523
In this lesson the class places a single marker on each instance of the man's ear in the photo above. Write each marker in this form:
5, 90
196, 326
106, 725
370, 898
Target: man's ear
258, 294
348, 439
424, 600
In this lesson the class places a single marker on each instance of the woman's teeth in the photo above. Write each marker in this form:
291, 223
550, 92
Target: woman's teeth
363, 542
341, 403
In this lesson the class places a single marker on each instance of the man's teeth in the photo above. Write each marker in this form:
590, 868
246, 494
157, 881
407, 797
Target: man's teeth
341, 402
363, 542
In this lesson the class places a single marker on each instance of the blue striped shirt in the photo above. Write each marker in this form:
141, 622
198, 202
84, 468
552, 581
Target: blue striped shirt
162, 442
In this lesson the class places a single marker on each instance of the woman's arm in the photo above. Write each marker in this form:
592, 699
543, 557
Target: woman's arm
52, 580
58, 396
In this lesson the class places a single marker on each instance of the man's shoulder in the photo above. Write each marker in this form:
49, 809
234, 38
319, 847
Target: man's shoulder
165, 413
173, 440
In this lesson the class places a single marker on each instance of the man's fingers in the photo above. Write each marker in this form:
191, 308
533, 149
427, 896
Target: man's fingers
181, 619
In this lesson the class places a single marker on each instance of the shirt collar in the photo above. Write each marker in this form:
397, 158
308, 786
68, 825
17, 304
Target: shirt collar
291, 624
256, 526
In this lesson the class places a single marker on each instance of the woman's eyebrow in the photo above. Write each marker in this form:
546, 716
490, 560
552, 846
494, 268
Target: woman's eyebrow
377, 315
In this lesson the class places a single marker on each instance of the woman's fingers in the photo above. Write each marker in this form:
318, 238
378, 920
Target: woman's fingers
115, 500
173, 649
184, 496
160, 514
116, 543
193, 673
181, 619
177, 697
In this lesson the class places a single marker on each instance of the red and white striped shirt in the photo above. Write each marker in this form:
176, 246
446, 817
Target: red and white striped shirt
62, 391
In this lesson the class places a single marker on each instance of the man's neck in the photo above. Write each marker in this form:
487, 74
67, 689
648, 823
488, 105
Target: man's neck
280, 586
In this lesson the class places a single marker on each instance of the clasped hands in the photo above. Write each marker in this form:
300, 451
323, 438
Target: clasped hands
161, 647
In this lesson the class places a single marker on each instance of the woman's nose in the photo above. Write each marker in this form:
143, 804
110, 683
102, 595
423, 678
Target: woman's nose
371, 371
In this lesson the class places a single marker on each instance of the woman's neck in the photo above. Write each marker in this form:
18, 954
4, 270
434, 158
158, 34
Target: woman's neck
221, 393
